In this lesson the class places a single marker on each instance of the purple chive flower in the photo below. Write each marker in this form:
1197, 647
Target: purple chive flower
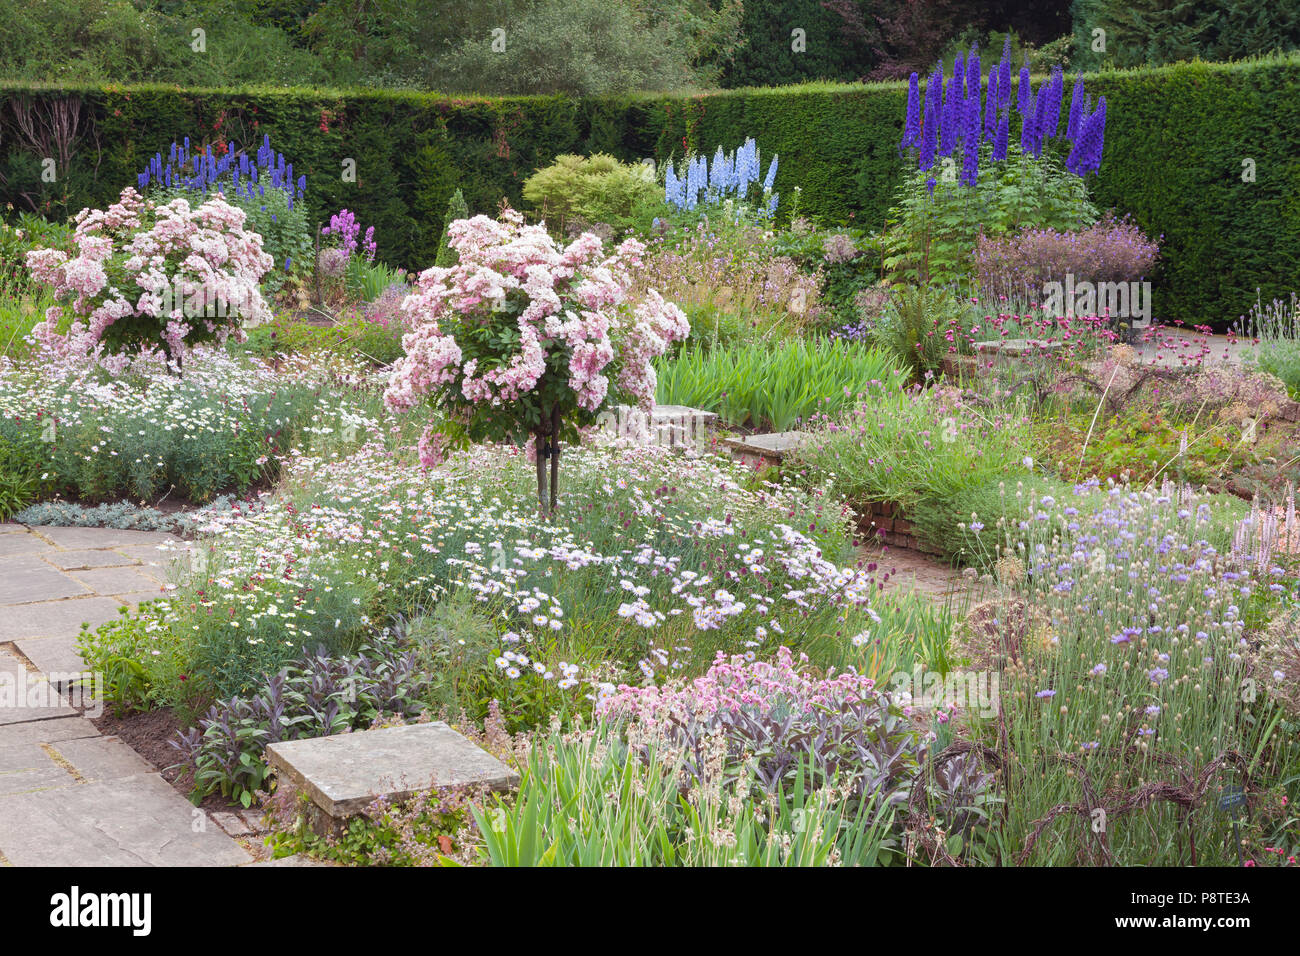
1045, 693
1157, 674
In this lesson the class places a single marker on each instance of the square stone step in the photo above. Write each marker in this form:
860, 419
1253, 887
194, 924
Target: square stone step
344, 773
761, 451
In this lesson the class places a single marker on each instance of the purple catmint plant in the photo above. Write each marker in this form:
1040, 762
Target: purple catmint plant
1110, 250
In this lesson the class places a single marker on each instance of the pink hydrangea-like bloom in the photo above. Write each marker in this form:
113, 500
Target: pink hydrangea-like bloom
170, 263
572, 301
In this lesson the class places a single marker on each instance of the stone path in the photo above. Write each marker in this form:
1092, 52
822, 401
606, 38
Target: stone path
913, 571
68, 795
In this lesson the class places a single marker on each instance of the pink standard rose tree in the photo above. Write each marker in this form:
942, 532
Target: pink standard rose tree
144, 276
525, 340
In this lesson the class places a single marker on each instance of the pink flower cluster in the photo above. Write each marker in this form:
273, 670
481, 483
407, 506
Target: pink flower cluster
573, 302
185, 269
732, 685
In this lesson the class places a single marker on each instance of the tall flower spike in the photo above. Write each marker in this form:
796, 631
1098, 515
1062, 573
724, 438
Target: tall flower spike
971, 157
1076, 109
949, 128
1024, 94
1004, 75
1000, 140
930, 132
1040, 119
912, 124
1027, 133
991, 104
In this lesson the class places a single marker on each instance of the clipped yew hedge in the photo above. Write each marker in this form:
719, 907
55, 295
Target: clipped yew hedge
1176, 140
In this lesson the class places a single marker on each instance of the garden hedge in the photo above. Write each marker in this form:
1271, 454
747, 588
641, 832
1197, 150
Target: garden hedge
1177, 139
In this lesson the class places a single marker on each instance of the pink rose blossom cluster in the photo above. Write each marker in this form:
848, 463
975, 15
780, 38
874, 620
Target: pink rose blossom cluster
735, 684
571, 301
194, 272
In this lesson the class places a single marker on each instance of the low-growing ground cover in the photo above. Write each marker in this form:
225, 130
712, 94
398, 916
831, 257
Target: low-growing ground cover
91, 435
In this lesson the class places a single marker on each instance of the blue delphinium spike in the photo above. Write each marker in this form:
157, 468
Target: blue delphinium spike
1003, 133
912, 123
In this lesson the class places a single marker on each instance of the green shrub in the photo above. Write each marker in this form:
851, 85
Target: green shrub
590, 190
457, 208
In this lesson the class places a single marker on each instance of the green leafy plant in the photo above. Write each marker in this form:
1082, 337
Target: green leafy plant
775, 385
589, 190
931, 234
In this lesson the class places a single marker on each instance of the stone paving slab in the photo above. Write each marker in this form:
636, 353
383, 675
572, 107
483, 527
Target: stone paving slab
130, 821
13, 543
30, 767
80, 560
47, 731
25, 579
26, 696
116, 581
52, 655
344, 773
55, 618
8, 527
99, 538
101, 758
